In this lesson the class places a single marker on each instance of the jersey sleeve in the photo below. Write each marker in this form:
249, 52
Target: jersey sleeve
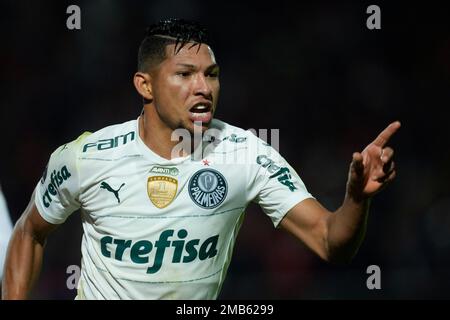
274, 184
57, 193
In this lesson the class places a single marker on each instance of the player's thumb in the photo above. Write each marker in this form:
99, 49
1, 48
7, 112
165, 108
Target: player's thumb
355, 184
357, 166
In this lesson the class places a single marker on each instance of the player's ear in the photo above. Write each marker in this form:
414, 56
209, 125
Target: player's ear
143, 85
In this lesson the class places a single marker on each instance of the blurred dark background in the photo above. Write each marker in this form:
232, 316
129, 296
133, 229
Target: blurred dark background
312, 70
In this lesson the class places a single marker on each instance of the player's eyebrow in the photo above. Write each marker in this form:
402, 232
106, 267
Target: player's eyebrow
193, 67
187, 65
213, 67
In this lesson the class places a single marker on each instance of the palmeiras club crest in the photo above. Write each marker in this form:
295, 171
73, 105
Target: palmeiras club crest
208, 188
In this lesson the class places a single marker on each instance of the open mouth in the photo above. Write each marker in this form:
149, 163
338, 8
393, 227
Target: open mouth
201, 108
201, 112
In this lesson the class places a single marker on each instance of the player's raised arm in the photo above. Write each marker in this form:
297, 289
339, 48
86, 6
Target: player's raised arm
337, 236
54, 199
25, 251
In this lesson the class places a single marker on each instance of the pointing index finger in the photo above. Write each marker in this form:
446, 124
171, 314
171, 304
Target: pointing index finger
386, 134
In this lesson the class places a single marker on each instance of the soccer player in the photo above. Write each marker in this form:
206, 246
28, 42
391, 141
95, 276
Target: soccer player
160, 220
5, 230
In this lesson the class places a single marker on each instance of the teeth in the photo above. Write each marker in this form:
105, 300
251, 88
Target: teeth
199, 108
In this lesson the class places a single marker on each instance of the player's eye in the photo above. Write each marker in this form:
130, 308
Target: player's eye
214, 74
184, 74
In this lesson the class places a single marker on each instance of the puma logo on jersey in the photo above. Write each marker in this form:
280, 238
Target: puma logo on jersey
106, 186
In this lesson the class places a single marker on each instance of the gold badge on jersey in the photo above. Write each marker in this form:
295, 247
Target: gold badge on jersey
161, 190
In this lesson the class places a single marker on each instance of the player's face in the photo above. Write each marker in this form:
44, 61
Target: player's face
186, 87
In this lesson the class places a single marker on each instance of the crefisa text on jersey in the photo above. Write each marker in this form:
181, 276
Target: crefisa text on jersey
57, 178
184, 251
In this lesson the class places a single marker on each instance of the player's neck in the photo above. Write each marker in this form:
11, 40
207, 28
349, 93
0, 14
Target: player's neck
157, 136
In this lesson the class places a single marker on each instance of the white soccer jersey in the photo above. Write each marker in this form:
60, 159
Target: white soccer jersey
5, 230
157, 228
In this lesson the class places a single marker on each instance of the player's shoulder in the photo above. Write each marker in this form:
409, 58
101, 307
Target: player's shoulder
108, 137
101, 139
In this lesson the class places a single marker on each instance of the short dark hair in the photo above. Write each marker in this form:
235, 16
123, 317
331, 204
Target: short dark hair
152, 50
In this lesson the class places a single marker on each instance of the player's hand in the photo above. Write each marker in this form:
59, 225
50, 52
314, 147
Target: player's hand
373, 168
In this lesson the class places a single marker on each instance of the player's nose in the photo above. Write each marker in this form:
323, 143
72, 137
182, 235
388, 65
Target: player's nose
201, 86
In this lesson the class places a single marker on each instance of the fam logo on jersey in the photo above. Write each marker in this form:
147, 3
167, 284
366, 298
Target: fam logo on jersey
208, 188
162, 190
283, 173
57, 178
183, 249
104, 144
